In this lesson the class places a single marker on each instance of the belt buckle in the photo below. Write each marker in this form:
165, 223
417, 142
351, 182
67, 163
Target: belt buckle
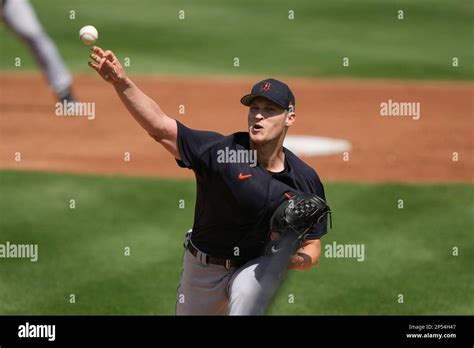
227, 264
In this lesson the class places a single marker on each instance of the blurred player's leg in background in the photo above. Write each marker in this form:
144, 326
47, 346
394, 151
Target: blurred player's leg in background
21, 18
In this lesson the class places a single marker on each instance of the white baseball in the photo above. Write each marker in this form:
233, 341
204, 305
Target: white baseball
88, 34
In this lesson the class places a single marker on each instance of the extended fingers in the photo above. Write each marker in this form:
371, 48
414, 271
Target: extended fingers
104, 63
110, 56
100, 53
97, 50
93, 66
95, 57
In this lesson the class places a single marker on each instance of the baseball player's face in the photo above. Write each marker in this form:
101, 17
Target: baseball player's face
267, 121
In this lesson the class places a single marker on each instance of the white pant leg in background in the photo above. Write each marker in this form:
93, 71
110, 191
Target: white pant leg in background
21, 18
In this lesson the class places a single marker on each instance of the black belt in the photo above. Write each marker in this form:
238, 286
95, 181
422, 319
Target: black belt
227, 263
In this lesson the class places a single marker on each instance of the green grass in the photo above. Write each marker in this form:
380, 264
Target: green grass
259, 33
81, 251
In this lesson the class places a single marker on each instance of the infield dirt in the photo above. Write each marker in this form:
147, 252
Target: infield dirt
384, 148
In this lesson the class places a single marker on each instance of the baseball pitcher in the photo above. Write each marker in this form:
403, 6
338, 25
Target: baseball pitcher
253, 220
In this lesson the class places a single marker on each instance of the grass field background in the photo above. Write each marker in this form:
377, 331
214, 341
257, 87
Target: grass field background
259, 33
81, 250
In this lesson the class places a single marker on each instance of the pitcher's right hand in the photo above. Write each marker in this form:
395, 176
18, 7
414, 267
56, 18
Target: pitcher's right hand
107, 65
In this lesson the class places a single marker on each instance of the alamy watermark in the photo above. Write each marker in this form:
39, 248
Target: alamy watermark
346, 251
85, 109
28, 330
227, 155
20, 251
394, 108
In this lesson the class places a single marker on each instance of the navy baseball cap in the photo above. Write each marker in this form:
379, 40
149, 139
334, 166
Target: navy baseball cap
273, 90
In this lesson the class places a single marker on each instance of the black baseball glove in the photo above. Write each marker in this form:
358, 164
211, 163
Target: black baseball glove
294, 219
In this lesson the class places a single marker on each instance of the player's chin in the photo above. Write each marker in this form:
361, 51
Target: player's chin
257, 138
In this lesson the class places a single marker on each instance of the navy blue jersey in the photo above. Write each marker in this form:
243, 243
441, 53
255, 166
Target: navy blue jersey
235, 201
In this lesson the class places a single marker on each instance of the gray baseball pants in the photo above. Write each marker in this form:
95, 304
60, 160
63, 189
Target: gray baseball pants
21, 19
207, 289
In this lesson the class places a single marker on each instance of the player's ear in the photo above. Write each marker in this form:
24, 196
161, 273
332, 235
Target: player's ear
290, 118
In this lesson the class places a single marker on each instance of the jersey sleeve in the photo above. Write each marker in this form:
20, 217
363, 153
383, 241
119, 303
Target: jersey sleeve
194, 147
320, 229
